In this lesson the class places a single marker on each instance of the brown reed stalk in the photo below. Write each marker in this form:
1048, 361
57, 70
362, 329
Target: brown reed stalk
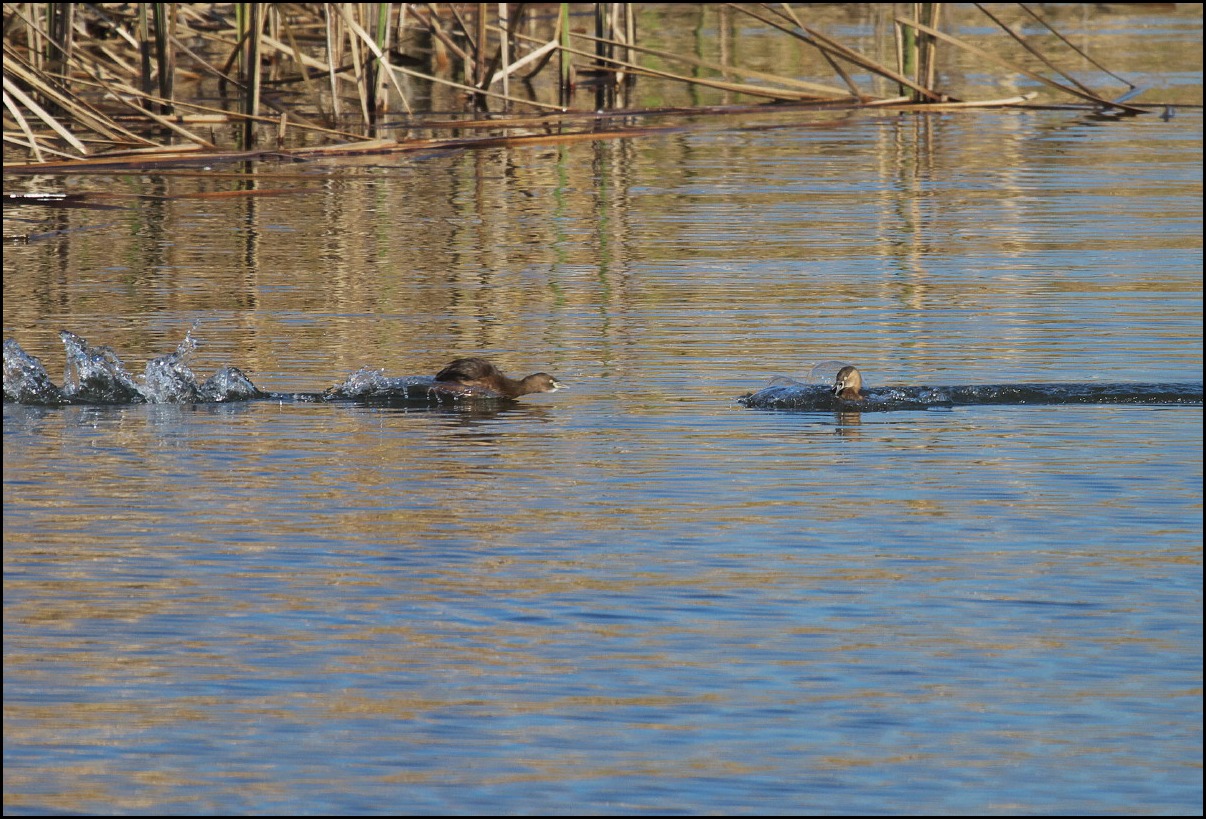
1033, 51
789, 14
1038, 18
979, 52
820, 41
821, 91
751, 90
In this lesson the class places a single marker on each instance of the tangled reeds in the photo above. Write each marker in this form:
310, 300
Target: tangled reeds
129, 82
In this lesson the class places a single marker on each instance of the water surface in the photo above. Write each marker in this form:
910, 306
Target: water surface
632, 595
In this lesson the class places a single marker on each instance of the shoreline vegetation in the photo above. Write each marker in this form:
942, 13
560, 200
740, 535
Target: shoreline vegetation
160, 84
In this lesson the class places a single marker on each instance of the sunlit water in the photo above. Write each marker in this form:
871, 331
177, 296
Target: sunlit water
633, 594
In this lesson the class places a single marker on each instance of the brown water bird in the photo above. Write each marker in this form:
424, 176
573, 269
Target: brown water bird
478, 372
848, 384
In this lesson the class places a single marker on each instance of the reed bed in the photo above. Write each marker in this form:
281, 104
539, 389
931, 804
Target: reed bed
128, 83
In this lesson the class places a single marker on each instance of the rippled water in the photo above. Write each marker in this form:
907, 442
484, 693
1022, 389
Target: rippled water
634, 594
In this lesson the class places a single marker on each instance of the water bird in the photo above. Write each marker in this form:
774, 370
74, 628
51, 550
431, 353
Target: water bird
848, 384
477, 372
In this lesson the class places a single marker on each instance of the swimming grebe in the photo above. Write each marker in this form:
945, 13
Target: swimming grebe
477, 372
848, 383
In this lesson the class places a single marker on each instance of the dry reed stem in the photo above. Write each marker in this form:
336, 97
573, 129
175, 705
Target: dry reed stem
473, 90
825, 91
820, 41
751, 90
905, 104
1033, 51
1073, 46
788, 13
228, 116
981, 53
372, 46
15, 112
11, 88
